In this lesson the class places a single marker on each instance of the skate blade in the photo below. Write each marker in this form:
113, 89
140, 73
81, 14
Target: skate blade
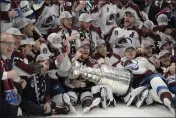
95, 103
144, 96
87, 109
72, 109
167, 103
131, 100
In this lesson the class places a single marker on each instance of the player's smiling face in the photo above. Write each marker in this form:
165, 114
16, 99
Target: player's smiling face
129, 20
148, 51
130, 53
85, 52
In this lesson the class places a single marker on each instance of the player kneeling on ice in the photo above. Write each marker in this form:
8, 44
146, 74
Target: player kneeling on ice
145, 77
80, 85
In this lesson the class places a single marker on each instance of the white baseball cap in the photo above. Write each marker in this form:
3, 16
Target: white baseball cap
132, 12
162, 19
65, 14
147, 42
85, 42
84, 17
25, 8
55, 39
29, 41
148, 24
163, 52
42, 57
37, 4
100, 42
15, 31
130, 47
21, 23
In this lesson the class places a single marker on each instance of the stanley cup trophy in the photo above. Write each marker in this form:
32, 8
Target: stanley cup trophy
119, 79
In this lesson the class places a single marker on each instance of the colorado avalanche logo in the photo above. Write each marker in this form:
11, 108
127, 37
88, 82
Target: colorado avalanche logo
122, 42
49, 21
112, 18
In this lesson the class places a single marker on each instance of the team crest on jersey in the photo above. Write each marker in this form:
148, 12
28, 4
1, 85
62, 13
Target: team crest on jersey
122, 42
67, 4
49, 21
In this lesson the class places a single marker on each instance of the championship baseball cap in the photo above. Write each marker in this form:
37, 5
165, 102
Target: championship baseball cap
29, 41
55, 39
37, 4
163, 52
146, 42
162, 19
42, 57
84, 17
130, 11
100, 42
25, 8
15, 31
21, 23
85, 42
65, 14
130, 47
148, 24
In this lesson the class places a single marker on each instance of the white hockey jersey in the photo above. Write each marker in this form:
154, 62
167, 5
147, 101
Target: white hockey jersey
48, 18
143, 65
119, 38
4, 23
106, 16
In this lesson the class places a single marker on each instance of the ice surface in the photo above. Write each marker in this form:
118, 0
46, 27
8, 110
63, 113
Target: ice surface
121, 110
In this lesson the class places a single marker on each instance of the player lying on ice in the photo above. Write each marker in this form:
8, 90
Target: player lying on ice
148, 85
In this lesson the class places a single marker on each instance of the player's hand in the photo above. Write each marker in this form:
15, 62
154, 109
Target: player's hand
12, 13
23, 83
78, 54
172, 69
47, 108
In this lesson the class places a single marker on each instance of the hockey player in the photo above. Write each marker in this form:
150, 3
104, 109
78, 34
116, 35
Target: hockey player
36, 96
145, 75
126, 4
127, 35
47, 14
105, 15
168, 69
60, 50
80, 85
147, 32
104, 57
89, 31
66, 32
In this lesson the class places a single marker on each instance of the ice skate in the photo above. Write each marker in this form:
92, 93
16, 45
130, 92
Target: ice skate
141, 98
103, 94
95, 103
67, 101
134, 94
169, 105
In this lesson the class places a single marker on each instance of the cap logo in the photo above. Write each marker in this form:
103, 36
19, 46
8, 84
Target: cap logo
25, 9
56, 41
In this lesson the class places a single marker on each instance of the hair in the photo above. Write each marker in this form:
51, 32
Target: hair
21, 47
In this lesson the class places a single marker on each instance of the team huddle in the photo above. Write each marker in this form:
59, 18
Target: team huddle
57, 54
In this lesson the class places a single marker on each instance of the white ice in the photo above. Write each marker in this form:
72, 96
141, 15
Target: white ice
121, 110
